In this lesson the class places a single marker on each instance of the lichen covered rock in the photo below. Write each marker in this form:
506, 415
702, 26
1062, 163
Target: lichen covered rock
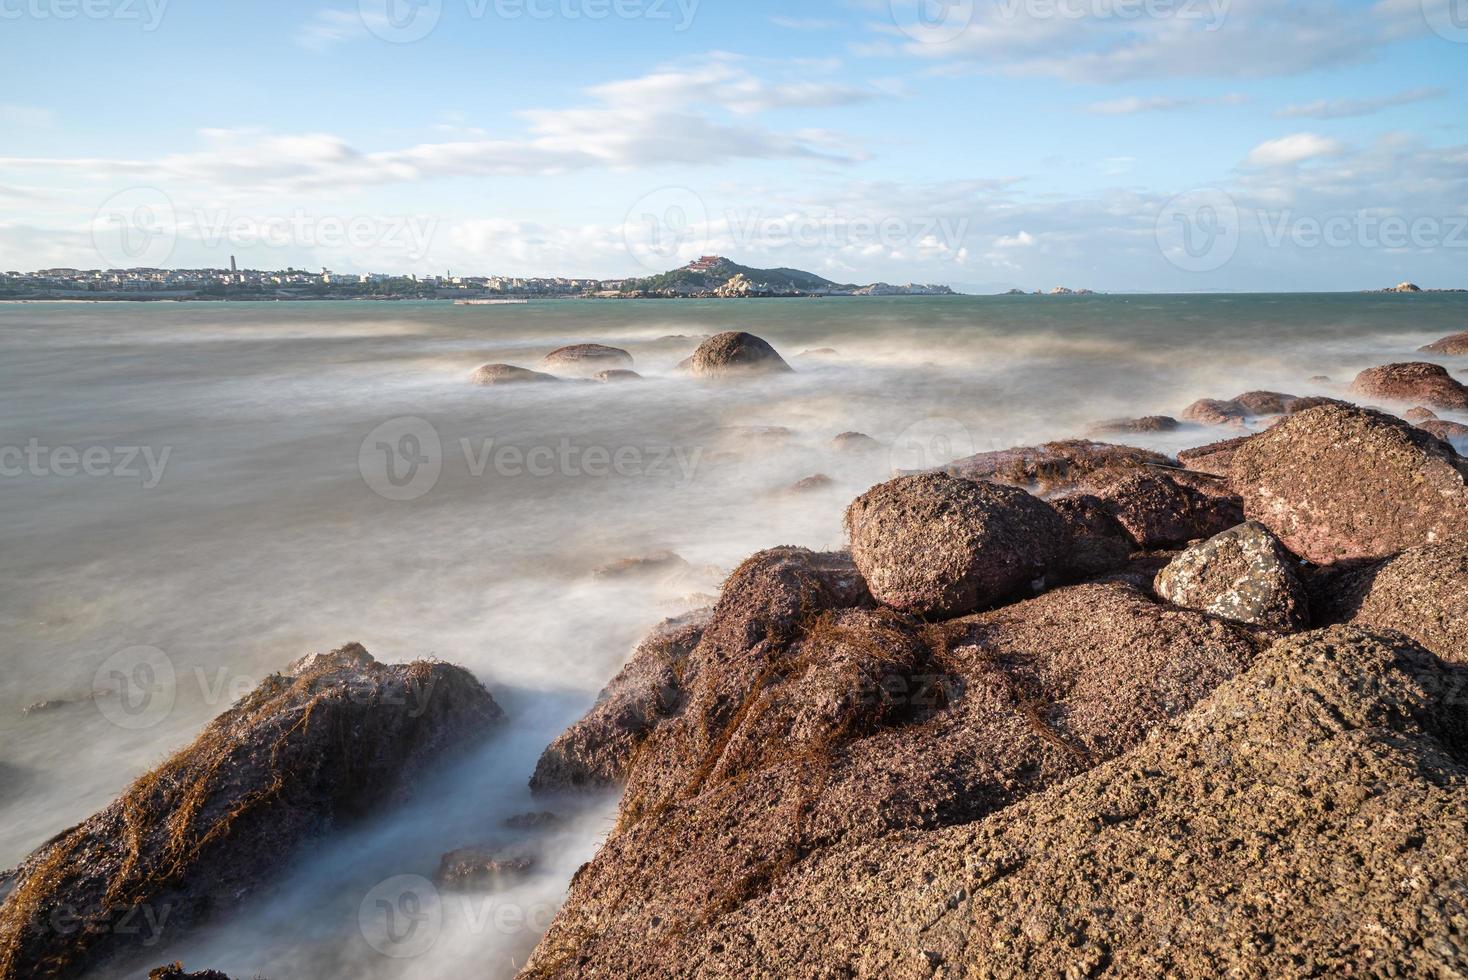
1243, 574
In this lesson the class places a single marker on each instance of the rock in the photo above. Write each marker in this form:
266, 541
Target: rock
1214, 458
1320, 379
1455, 345
594, 753
1212, 411
1419, 414
337, 737
1426, 384
539, 820
1150, 423
1160, 510
1423, 592
1099, 543
587, 360
1335, 483
480, 869
759, 436
1403, 287
505, 374
939, 546
804, 748
616, 375
855, 443
818, 481
176, 971
1243, 574
1445, 430
735, 353
1265, 402
1053, 467
1314, 401
820, 353
1323, 788
657, 565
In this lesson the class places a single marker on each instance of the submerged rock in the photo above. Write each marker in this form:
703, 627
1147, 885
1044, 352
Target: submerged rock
1419, 382
1214, 411
1336, 483
505, 374
585, 360
615, 376
1419, 414
1455, 345
1265, 402
337, 737
658, 565
1243, 574
855, 443
735, 353
480, 869
1423, 592
176, 971
816, 481
936, 545
1149, 423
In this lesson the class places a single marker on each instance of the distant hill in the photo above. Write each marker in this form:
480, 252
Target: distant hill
716, 275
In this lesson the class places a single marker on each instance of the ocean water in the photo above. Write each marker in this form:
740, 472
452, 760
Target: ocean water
209, 491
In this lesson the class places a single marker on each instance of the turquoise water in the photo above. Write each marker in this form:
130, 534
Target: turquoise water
254, 521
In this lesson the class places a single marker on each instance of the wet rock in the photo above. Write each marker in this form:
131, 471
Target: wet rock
336, 737
855, 443
1336, 483
539, 820
1419, 414
818, 481
1445, 430
176, 971
860, 729
733, 354
936, 545
1456, 344
1419, 382
1149, 423
1053, 467
1214, 411
586, 360
657, 565
480, 869
1161, 509
594, 753
507, 374
1243, 574
820, 353
1323, 788
1214, 458
1423, 592
616, 376
1314, 401
1099, 543
1265, 402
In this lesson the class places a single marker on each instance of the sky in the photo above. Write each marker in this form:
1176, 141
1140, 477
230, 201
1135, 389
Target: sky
1116, 145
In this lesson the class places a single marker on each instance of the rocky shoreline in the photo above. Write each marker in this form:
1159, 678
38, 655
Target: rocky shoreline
1080, 709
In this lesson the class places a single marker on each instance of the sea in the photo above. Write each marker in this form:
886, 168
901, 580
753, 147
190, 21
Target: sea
193, 495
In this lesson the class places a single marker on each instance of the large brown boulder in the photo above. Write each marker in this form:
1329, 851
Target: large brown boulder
587, 360
1423, 592
1053, 467
336, 737
1251, 837
1265, 402
1243, 574
1455, 345
1165, 510
1214, 458
507, 374
735, 353
1417, 382
1445, 430
1214, 411
1341, 482
852, 729
939, 546
1099, 543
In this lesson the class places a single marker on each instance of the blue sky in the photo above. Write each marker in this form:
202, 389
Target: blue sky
1113, 144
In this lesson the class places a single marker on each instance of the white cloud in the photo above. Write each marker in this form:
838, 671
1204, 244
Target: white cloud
1023, 240
1343, 108
328, 28
1289, 150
